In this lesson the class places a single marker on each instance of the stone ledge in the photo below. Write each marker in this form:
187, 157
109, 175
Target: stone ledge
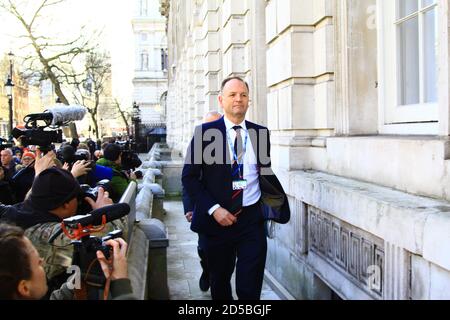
417, 224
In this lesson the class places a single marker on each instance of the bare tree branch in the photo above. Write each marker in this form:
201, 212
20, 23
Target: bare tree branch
58, 66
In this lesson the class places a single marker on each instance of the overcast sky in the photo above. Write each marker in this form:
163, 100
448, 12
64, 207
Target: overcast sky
64, 21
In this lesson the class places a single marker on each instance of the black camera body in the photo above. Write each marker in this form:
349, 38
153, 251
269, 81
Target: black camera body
4, 145
79, 228
130, 159
37, 135
93, 192
88, 191
93, 244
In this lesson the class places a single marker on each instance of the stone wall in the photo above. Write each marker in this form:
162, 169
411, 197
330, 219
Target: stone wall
370, 210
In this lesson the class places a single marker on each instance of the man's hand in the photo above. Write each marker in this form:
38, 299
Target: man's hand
43, 162
132, 176
224, 217
188, 216
118, 267
80, 168
103, 200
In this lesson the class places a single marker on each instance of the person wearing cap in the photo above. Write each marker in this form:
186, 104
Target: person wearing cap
54, 197
27, 158
112, 159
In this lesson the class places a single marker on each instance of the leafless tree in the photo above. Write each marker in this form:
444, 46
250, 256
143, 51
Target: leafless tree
50, 59
91, 86
124, 115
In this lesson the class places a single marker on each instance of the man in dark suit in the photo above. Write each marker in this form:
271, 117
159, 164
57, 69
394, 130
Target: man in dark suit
221, 175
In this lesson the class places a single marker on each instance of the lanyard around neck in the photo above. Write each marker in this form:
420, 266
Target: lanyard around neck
235, 156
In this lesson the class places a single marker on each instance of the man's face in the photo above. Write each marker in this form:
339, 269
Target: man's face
6, 157
70, 209
27, 160
234, 99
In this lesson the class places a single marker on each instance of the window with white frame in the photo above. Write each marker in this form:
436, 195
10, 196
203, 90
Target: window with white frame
143, 8
408, 66
144, 61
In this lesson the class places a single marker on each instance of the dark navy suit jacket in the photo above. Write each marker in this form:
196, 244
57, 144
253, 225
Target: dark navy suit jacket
208, 181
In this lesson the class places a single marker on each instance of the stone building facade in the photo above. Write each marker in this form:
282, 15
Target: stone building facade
150, 72
356, 95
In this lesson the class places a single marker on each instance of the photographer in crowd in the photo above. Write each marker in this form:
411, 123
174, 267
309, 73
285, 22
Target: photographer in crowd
112, 158
22, 273
23, 179
6, 195
54, 196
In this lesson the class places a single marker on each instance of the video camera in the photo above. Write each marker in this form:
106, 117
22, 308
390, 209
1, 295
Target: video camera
48, 133
79, 229
130, 159
4, 145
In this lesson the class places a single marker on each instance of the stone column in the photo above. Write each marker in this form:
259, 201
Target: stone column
199, 71
211, 55
300, 78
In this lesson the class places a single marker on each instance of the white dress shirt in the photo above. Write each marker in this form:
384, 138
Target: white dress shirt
252, 193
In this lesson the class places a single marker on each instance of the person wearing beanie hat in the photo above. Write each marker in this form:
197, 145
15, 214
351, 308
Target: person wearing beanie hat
55, 188
53, 197
112, 159
27, 158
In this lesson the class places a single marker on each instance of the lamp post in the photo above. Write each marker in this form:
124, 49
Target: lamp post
136, 121
9, 92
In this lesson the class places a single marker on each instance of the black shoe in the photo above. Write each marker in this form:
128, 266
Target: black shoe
204, 282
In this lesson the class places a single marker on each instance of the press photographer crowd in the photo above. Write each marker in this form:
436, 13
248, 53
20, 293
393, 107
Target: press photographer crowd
59, 209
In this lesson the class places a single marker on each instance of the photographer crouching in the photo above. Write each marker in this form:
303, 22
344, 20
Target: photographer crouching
22, 272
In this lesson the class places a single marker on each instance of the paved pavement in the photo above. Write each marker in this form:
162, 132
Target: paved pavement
183, 265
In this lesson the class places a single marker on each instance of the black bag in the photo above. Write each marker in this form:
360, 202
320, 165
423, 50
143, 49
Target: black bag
274, 202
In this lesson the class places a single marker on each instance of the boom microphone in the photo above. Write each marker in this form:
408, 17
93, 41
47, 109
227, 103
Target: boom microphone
58, 115
65, 114
94, 217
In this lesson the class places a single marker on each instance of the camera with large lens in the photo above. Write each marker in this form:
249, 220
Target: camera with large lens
89, 192
99, 244
79, 229
130, 159
67, 154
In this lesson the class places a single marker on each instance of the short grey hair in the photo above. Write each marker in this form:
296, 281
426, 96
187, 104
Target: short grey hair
212, 114
224, 82
9, 151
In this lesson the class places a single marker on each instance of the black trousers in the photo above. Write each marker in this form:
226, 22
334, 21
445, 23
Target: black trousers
244, 248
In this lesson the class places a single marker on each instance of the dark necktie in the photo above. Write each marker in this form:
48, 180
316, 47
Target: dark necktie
237, 173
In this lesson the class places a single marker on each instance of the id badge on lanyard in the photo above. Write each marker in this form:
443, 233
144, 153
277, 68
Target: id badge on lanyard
240, 184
